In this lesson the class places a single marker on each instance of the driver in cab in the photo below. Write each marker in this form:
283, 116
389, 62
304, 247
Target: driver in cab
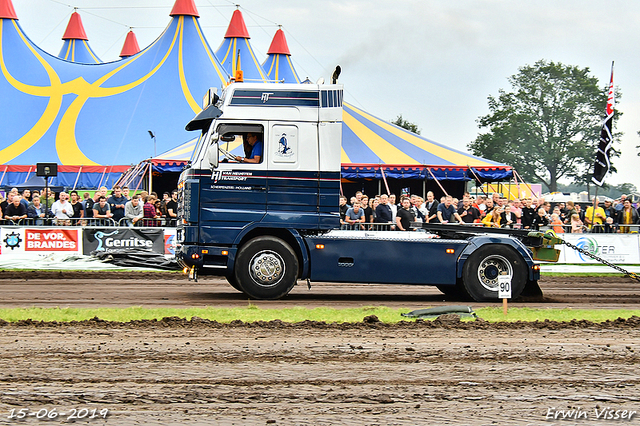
254, 146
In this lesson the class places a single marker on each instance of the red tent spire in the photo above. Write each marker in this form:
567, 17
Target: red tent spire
237, 28
6, 10
75, 30
130, 47
279, 44
184, 7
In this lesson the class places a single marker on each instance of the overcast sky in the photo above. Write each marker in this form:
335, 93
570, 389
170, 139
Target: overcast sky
434, 62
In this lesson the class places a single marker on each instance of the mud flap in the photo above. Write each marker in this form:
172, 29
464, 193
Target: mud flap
531, 289
193, 274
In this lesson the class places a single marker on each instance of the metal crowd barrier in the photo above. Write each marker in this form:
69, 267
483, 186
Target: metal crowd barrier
148, 222
62, 222
368, 226
603, 229
89, 221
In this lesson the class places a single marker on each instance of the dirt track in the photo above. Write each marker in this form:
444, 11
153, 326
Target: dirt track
91, 289
199, 372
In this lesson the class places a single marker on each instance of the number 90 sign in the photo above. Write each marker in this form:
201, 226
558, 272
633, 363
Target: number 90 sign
504, 287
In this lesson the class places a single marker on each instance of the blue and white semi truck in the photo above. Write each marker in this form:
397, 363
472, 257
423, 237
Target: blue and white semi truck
266, 225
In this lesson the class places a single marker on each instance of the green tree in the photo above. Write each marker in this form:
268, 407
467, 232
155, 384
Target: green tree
401, 122
548, 126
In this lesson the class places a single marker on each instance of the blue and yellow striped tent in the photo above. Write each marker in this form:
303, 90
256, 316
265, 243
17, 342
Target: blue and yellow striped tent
76, 43
90, 117
52, 110
372, 147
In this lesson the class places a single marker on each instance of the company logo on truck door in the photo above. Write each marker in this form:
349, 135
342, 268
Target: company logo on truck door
284, 150
230, 175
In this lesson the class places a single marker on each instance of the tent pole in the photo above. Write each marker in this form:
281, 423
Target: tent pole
478, 179
77, 177
424, 189
515, 179
107, 179
129, 175
150, 177
102, 177
28, 173
3, 173
437, 181
385, 181
528, 186
138, 185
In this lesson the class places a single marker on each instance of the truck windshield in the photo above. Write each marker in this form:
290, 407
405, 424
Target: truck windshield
198, 146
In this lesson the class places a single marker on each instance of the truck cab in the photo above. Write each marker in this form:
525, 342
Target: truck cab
293, 188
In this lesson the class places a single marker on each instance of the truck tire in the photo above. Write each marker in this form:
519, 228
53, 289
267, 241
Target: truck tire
231, 279
452, 291
266, 268
481, 270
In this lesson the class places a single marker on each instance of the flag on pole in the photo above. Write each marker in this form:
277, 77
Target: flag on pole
606, 140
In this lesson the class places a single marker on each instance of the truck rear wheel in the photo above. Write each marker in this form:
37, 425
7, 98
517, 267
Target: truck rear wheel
231, 279
481, 271
266, 268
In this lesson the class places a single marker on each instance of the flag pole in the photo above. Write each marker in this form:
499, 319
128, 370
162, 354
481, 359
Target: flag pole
593, 206
602, 163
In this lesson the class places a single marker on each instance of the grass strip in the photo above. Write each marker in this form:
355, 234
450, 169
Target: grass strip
253, 313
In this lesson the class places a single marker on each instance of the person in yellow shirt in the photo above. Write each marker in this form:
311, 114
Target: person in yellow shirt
492, 219
628, 216
594, 216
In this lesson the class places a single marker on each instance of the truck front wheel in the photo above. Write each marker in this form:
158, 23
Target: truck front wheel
481, 271
266, 268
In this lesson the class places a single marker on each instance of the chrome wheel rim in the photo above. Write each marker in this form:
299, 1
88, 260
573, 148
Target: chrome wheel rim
266, 268
491, 268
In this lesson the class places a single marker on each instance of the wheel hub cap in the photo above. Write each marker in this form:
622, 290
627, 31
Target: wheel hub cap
266, 268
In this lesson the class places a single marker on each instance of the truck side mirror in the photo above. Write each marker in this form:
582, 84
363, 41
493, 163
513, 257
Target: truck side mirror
212, 153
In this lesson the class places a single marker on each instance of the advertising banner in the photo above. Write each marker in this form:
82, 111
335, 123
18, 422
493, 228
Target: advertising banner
614, 248
47, 240
123, 238
12, 241
39, 240
170, 241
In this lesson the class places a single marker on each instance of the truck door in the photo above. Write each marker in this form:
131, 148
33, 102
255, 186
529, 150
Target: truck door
235, 195
292, 184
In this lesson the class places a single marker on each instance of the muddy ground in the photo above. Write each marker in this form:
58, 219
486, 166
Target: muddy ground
177, 372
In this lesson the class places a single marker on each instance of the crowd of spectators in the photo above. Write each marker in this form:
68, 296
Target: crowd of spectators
382, 213
117, 208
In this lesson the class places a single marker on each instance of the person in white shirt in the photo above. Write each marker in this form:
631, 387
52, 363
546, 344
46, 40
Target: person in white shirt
394, 207
62, 209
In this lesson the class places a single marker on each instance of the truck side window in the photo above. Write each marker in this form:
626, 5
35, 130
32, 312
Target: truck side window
253, 144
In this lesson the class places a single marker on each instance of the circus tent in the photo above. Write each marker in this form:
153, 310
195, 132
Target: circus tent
81, 115
76, 43
89, 117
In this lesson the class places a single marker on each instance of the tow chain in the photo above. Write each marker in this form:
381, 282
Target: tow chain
629, 274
